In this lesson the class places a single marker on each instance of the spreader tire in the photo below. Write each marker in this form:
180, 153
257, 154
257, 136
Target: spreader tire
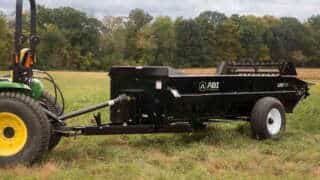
24, 129
55, 108
268, 119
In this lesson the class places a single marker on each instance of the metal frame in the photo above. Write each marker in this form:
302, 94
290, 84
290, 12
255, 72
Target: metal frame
20, 73
257, 68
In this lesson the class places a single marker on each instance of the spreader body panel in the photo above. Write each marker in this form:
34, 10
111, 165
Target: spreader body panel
164, 95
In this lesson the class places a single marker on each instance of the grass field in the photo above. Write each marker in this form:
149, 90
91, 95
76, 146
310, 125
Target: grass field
224, 151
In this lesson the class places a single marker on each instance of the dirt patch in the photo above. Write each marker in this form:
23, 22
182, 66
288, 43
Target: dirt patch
41, 172
312, 73
217, 165
161, 157
316, 172
200, 71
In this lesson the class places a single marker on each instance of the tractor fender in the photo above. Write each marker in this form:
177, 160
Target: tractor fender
7, 85
35, 89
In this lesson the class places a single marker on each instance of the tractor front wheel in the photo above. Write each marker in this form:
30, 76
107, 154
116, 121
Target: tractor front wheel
24, 129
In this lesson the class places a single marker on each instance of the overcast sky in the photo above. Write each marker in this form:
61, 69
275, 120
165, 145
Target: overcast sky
301, 9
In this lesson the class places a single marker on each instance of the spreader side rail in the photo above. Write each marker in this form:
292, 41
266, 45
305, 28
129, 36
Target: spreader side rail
257, 68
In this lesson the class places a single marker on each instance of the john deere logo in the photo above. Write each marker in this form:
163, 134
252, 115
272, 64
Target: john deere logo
209, 86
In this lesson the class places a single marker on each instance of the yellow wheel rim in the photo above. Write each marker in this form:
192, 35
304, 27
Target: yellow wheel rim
13, 134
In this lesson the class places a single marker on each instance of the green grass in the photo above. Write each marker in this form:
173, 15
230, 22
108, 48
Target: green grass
224, 151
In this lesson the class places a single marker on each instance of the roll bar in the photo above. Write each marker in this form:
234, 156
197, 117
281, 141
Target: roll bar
20, 38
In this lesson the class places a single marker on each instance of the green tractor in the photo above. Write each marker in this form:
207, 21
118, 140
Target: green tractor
26, 130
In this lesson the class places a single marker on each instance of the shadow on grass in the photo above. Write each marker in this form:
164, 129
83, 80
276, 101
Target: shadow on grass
214, 135
234, 135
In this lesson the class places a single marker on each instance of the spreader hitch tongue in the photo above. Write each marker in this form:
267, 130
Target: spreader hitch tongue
119, 99
110, 103
74, 114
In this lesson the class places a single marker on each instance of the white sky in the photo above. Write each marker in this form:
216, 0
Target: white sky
301, 9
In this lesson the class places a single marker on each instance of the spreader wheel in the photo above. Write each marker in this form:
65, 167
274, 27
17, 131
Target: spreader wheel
24, 129
268, 118
55, 108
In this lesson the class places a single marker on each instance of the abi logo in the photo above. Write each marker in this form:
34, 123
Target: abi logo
209, 86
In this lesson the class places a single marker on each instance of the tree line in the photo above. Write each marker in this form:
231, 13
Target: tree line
72, 40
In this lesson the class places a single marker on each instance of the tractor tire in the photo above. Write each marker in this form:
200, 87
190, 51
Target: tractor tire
24, 130
268, 120
55, 108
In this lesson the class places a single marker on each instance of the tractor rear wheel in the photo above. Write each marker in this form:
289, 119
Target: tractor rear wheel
268, 119
55, 108
24, 129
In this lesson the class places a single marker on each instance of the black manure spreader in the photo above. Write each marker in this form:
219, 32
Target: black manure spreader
143, 100
161, 99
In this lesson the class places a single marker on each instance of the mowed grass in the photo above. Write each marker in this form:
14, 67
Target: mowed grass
224, 151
